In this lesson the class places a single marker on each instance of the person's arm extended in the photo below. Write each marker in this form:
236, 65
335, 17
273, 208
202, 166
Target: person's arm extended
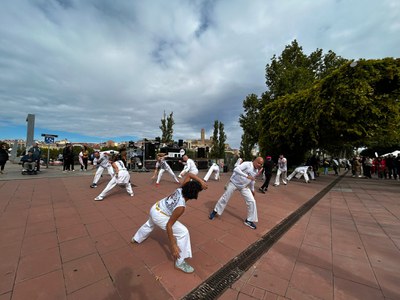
172, 240
114, 165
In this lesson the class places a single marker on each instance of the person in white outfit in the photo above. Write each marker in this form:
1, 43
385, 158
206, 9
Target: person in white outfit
242, 179
238, 162
102, 163
165, 214
161, 167
302, 171
190, 166
282, 170
121, 177
214, 168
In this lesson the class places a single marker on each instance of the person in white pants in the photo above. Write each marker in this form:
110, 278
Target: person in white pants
282, 170
214, 168
162, 166
190, 166
102, 163
165, 214
121, 177
242, 179
302, 171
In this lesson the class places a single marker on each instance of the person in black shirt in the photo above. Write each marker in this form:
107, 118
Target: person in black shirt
267, 170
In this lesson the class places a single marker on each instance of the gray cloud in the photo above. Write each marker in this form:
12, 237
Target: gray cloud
111, 68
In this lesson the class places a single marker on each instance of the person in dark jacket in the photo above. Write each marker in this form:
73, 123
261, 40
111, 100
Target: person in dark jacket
267, 170
3, 156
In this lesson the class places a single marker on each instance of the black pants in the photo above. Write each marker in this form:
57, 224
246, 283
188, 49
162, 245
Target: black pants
266, 182
85, 162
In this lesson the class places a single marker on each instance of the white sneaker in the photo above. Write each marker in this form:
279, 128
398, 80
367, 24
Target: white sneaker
131, 194
184, 267
179, 176
98, 198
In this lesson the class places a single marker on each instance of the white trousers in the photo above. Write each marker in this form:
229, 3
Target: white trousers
100, 170
299, 174
181, 233
248, 198
210, 171
278, 176
161, 171
122, 179
184, 171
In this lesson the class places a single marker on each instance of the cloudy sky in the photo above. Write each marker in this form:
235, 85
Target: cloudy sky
91, 70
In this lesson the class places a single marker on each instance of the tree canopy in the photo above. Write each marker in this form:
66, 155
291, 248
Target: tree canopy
357, 104
322, 101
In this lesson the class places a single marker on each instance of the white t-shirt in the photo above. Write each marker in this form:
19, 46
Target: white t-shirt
282, 164
190, 167
170, 203
162, 164
102, 161
123, 174
240, 173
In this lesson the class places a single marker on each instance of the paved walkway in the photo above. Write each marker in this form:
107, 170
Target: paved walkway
57, 243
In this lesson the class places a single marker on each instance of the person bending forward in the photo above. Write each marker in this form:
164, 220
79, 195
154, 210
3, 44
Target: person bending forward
165, 214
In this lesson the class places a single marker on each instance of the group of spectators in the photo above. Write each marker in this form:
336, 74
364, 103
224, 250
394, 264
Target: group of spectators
387, 167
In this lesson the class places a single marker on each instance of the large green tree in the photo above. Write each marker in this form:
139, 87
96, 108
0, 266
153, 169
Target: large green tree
355, 105
166, 127
290, 73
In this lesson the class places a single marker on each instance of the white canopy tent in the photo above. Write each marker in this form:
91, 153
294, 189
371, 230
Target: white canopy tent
395, 153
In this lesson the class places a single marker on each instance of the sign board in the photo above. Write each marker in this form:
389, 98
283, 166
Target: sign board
49, 140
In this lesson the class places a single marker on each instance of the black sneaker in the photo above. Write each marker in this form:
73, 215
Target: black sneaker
250, 224
93, 185
212, 215
261, 190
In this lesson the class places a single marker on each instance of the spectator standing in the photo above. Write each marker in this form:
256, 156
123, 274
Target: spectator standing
71, 157
313, 162
83, 158
396, 167
326, 165
389, 165
282, 170
367, 167
335, 166
66, 158
242, 179
3, 156
356, 167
